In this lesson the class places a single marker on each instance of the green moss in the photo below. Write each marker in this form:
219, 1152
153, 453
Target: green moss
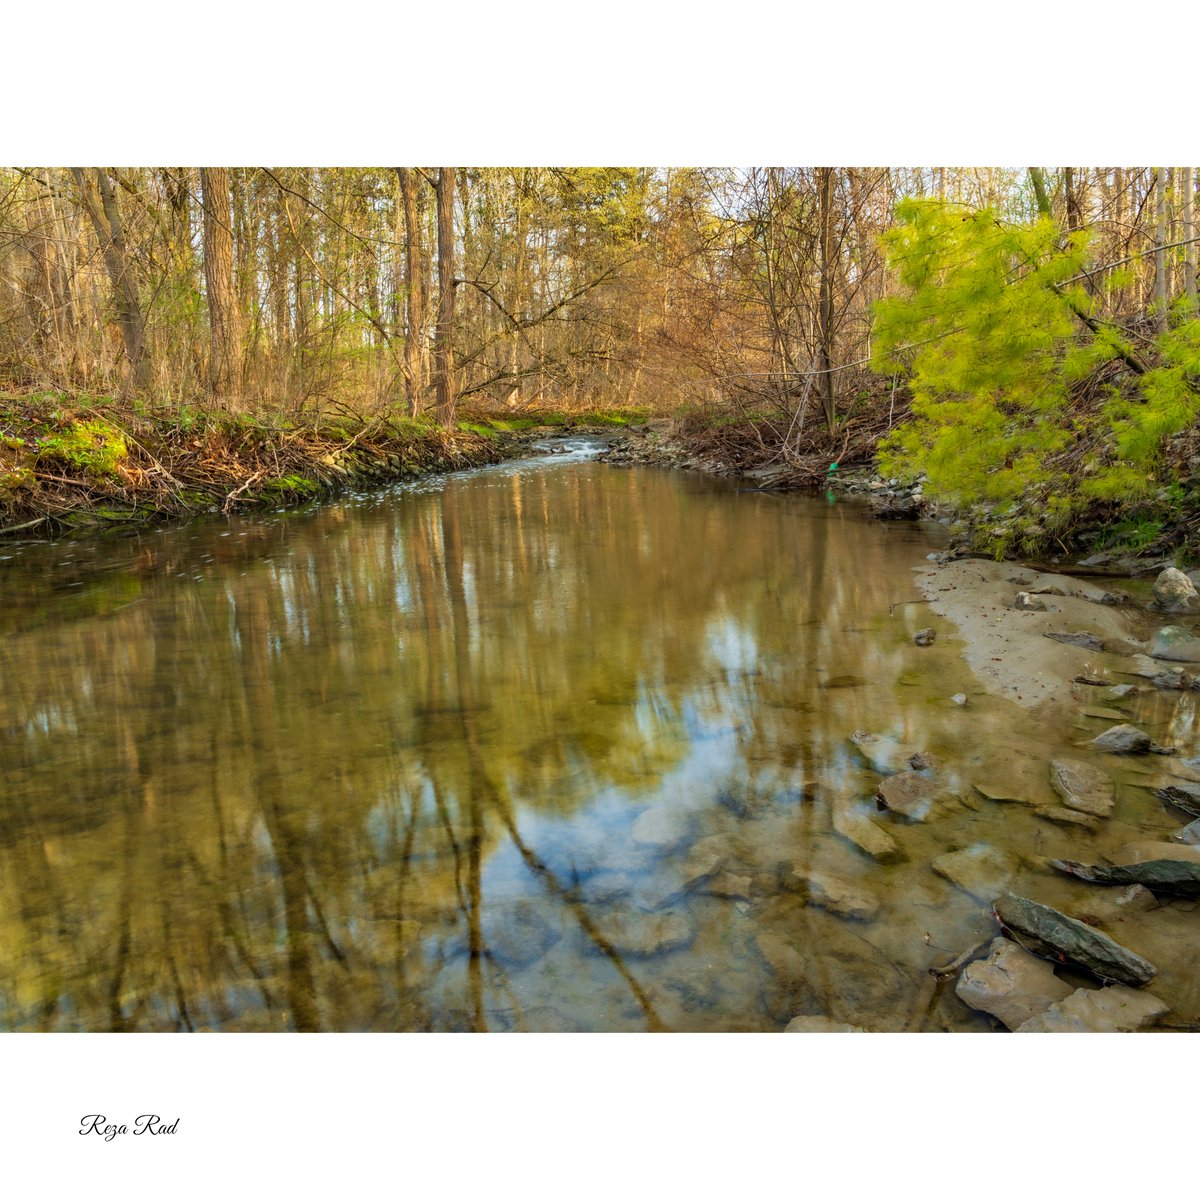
291, 485
94, 446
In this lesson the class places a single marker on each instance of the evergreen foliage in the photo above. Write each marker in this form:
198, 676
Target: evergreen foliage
1002, 346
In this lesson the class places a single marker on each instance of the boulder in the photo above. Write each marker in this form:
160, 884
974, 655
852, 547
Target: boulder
1173, 643
909, 794
1123, 739
1082, 786
1113, 1009
981, 870
1044, 930
663, 827
1010, 984
1175, 592
834, 893
1163, 877
1029, 603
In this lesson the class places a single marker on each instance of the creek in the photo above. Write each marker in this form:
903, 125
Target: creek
551, 745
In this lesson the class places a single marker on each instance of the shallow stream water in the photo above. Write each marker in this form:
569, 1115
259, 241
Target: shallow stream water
547, 746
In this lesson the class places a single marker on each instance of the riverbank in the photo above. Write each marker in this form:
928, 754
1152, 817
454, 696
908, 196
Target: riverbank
1119, 538
81, 465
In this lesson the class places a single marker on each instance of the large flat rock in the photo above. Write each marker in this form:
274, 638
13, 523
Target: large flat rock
1046, 931
835, 893
820, 1025
1082, 786
1173, 643
635, 934
819, 967
981, 870
911, 795
1113, 1009
1010, 984
1163, 877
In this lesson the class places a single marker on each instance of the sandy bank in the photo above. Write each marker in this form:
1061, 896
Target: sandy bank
1006, 646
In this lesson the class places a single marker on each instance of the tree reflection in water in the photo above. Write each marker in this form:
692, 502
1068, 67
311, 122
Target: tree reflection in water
376, 766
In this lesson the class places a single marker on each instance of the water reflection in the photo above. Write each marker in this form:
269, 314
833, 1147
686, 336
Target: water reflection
381, 765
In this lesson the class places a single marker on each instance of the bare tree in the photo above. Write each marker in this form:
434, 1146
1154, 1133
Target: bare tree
111, 235
225, 357
416, 300
444, 338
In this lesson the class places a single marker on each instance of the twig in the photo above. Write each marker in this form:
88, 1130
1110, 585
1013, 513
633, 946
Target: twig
27, 525
239, 490
962, 960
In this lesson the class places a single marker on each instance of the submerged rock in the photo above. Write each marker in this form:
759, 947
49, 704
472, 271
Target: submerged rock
1082, 786
1113, 1009
1174, 680
1088, 641
834, 893
924, 637
1184, 796
1175, 592
1046, 931
1000, 795
1189, 835
1163, 877
820, 1025
517, 936
1067, 816
663, 827
885, 754
822, 968
635, 934
1123, 739
981, 870
909, 794
1102, 908
1010, 984
857, 827
1175, 644
1143, 852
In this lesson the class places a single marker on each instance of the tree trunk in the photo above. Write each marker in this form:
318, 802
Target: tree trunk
1189, 232
111, 235
825, 356
444, 338
1074, 207
1160, 254
1038, 178
416, 301
225, 357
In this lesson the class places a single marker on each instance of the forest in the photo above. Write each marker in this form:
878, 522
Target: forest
1023, 341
